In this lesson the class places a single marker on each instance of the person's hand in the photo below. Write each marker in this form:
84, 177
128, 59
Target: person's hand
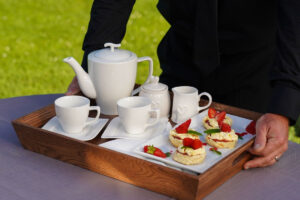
271, 140
73, 87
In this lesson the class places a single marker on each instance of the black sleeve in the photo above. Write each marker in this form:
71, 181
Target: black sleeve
285, 75
107, 24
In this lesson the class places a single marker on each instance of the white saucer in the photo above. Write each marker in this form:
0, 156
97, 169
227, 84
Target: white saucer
116, 130
89, 132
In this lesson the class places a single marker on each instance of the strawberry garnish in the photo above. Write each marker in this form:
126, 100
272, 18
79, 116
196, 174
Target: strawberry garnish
251, 128
187, 142
150, 149
240, 135
212, 113
159, 153
220, 116
183, 128
197, 144
225, 127
215, 150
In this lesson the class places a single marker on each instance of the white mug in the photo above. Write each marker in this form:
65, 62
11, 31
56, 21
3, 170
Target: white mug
186, 103
135, 113
73, 111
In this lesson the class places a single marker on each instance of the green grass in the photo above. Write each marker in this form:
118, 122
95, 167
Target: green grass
36, 35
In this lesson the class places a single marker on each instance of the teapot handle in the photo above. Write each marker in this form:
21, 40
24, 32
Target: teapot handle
141, 59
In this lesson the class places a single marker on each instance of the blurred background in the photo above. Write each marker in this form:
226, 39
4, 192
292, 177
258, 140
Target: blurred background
35, 36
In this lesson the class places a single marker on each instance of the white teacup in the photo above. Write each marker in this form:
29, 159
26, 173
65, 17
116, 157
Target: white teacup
135, 113
73, 111
186, 103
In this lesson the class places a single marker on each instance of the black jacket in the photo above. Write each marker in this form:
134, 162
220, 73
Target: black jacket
245, 53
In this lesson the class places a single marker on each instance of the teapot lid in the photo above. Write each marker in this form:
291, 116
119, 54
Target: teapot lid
154, 85
112, 54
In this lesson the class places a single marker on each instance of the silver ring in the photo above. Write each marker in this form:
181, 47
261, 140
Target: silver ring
276, 158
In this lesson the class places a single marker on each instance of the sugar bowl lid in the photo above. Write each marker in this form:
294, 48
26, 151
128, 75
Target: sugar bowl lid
154, 85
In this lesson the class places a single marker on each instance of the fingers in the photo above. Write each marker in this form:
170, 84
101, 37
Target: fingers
261, 136
72, 91
73, 87
263, 161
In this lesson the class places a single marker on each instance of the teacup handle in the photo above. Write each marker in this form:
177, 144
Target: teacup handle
97, 108
209, 100
141, 59
156, 118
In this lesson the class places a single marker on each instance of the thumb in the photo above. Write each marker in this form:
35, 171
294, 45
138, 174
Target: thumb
261, 137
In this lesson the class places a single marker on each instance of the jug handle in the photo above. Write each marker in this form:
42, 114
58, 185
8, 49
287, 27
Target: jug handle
141, 59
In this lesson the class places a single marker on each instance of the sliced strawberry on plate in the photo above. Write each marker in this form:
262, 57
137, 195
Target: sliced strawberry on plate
183, 128
197, 144
251, 127
220, 116
150, 149
159, 153
212, 113
188, 142
225, 127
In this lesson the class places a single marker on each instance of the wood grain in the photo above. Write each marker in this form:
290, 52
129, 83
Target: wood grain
126, 168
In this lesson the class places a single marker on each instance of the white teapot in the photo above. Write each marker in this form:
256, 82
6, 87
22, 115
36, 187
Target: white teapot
111, 75
159, 94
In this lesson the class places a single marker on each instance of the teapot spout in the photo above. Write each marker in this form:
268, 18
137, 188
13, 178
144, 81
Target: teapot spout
85, 83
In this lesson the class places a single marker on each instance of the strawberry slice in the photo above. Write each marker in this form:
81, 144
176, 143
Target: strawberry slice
225, 127
150, 149
188, 142
251, 128
220, 116
159, 153
197, 144
212, 113
183, 128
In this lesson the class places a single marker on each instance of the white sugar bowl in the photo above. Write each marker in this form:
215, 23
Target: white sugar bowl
159, 94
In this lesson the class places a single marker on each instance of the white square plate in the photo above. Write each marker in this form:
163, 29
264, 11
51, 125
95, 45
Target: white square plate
162, 142
89, 132
115, 129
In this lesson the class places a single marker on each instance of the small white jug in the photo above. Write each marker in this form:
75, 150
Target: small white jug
186, 103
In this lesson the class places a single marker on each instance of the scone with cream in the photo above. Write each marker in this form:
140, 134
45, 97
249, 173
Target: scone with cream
214, 118
224, 138
177, 135
190, 153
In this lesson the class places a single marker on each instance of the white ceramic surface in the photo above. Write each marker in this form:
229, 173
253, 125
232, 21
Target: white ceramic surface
115, 129
88, 133
186, 103
112, 75
135, 114
159, 95
162, 142
73, 111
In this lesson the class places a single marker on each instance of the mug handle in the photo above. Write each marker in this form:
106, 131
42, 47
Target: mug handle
209, 100
156, 118
97, 108
141, 59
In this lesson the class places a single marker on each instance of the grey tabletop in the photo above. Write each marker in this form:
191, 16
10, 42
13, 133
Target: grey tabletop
28, 176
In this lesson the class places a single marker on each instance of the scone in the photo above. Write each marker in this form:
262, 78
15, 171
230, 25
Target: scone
177, 135
225, 139
214, 118
177, 138
190, 155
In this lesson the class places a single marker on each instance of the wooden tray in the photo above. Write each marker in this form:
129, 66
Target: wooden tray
142, 173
